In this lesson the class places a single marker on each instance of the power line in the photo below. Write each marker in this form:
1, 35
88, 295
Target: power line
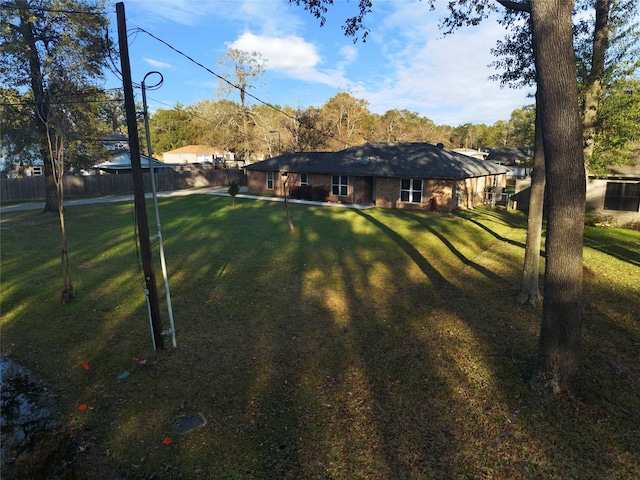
248, 94
31, 8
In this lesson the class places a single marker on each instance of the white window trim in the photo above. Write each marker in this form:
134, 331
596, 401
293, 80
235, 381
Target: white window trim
412, 191
340, 185
270, 180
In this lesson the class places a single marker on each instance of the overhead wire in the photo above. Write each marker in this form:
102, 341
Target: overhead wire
248, 94
112, 65
33, 8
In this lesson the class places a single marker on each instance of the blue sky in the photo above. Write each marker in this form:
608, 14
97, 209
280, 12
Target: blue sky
404, 64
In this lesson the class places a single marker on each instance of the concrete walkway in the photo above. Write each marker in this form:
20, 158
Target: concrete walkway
220, 191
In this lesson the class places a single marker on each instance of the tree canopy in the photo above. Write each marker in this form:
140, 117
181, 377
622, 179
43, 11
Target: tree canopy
340, 122
53, 53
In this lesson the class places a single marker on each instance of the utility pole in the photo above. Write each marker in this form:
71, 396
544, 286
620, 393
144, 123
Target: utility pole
151, 289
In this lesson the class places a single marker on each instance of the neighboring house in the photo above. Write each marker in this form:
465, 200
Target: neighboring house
120, 162
615, 197
481, 154
197, 154
399, 175
618, 195
115, 142
18, 171
519, 160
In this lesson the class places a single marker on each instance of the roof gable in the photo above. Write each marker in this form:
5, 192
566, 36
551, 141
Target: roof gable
384, 160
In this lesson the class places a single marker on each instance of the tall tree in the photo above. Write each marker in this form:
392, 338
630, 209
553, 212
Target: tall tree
522, 126
171, 128
552, 40
607, 44
343, 116
53, 48
56, 49
560, 332
216, 123
530, 282
17, 136
306, 128
617, 137
608, 50
243, 69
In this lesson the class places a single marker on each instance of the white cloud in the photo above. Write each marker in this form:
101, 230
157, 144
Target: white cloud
284, 53
443, 78
293, 57
405, 64
349, 54
157, 63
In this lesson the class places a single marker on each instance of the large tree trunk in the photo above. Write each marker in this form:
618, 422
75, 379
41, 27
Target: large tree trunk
594, 82
41, 104
529, 288
560, 332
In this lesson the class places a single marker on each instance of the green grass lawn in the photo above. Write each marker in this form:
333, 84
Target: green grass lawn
378, 344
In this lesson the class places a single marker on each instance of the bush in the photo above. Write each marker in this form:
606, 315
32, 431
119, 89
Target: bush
303, 192
307, 192
233, 189
320, 194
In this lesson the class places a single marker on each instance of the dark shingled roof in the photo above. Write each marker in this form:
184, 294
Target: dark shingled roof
510, 155
404, 160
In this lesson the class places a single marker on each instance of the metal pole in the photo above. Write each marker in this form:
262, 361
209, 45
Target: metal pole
138, 184
163, 264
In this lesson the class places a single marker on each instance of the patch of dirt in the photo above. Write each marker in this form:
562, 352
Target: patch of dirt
34, 443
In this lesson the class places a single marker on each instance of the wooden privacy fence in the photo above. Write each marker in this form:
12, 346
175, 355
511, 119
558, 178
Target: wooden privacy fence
167, 179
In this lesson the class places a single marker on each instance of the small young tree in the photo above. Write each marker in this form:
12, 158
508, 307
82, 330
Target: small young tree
233, 191
288, 177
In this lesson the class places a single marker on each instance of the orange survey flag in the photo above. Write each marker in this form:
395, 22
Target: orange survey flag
85, 365
166, 441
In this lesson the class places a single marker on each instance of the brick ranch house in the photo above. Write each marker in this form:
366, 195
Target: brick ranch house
395, 175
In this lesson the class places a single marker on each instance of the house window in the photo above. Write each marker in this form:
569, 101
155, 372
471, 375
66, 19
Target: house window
622, 196
37, 171
411, 190
304, 179
339, 185
269, 180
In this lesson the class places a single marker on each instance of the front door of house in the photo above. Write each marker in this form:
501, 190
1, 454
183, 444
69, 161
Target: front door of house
364, 190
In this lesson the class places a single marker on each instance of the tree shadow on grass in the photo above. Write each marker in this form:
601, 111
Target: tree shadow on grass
597, 239
424, 223
554, 427
332, 354
469, 218
411, 377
